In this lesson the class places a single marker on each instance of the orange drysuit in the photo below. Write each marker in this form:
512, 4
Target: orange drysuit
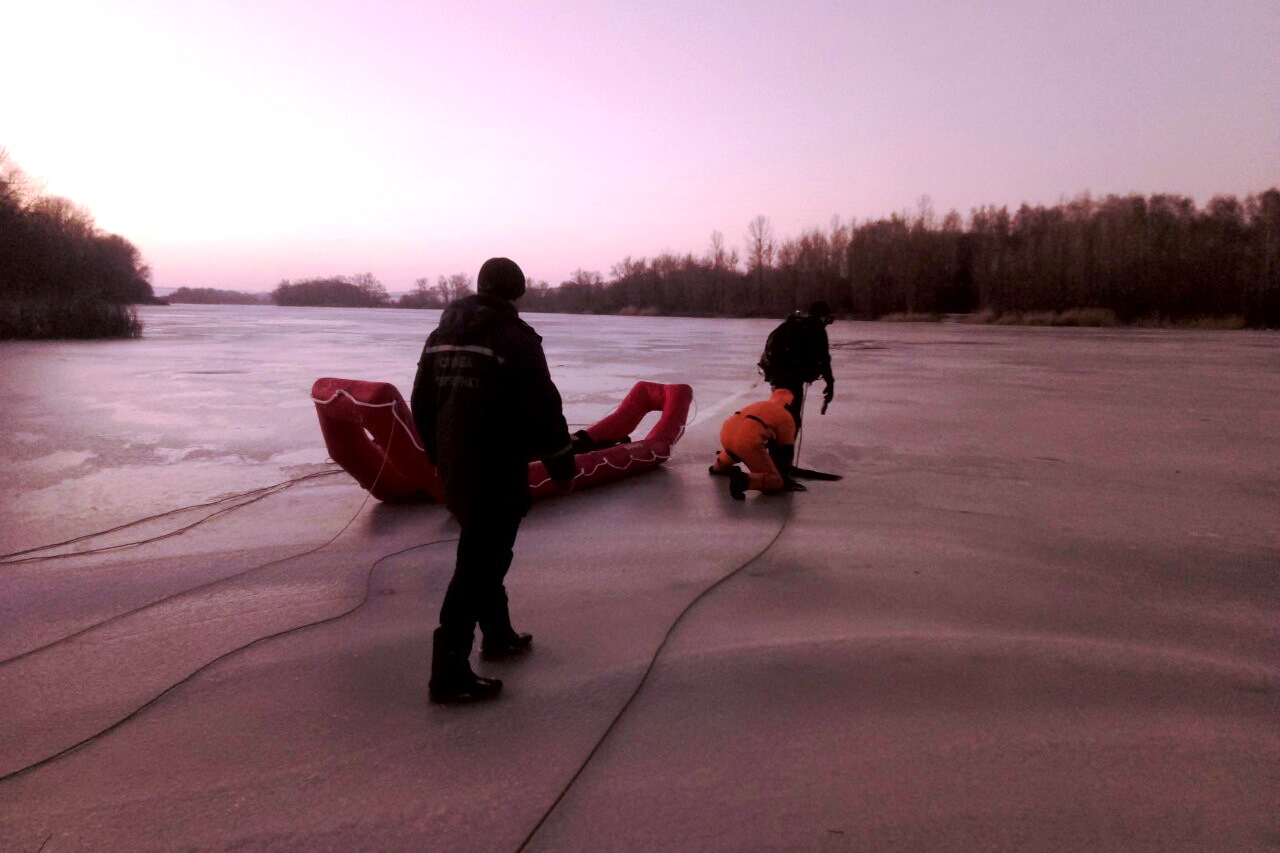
745, 436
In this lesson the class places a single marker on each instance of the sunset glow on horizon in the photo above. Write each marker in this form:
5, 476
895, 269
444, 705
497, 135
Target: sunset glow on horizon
239, 143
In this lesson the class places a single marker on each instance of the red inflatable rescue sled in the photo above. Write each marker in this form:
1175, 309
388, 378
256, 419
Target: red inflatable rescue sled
369, 431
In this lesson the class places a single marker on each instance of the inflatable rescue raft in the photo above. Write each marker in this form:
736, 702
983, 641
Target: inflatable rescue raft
369, 431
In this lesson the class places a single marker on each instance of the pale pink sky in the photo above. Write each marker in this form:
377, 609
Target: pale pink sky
239, 142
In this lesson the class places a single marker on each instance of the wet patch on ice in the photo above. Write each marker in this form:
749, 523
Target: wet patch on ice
860, 345
303, 457
59, 460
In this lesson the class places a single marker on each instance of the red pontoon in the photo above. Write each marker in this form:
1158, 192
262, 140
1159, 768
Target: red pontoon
369, 431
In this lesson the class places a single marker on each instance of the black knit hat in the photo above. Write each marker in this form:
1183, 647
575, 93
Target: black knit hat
501, 277
819, 309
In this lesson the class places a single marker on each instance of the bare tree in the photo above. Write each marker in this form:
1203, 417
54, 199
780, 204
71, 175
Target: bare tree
720, 257
16, 186
370, 287
585, 278
760, 244
454, 287
64, 215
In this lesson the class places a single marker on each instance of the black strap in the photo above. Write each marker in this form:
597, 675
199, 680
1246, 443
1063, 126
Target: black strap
757, 420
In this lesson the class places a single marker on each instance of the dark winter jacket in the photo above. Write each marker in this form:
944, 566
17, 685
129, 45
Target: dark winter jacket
485, 406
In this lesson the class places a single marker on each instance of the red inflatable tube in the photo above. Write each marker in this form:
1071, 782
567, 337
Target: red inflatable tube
622, 460
369, 431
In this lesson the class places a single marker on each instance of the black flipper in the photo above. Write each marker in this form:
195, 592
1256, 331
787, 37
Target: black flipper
806, 474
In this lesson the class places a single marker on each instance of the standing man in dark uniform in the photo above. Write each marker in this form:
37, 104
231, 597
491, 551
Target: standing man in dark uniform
798, 353
485, 406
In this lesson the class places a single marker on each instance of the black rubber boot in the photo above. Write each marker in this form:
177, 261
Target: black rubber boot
465, 690
512, 646
501, 641
738, 482
452, 681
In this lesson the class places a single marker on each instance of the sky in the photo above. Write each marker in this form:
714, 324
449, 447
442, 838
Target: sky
241, 142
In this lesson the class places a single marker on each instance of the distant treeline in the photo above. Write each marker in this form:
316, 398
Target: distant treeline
361, 291
365, 291
213, 296
1126, 259
1135, 259
60, 277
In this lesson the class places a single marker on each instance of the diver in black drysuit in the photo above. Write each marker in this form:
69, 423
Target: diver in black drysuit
485, 406
806, 358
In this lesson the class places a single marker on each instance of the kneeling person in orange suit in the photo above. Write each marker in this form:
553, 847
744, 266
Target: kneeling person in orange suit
763, 437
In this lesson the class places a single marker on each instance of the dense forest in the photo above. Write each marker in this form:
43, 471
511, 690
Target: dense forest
1119, 259
61, 277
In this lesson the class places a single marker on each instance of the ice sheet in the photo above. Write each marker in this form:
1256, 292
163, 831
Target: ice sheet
1037, 614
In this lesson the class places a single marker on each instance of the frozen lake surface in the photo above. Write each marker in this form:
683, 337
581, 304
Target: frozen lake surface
1038, 614
216, 399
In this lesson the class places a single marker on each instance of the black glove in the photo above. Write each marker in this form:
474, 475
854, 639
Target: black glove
561, 466
828, 394
581, 442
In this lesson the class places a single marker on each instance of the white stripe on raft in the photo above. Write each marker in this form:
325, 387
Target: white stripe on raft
657, 457
395, 412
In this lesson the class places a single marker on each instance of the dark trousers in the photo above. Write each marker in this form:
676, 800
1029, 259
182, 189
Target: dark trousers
796, 406
476, 595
